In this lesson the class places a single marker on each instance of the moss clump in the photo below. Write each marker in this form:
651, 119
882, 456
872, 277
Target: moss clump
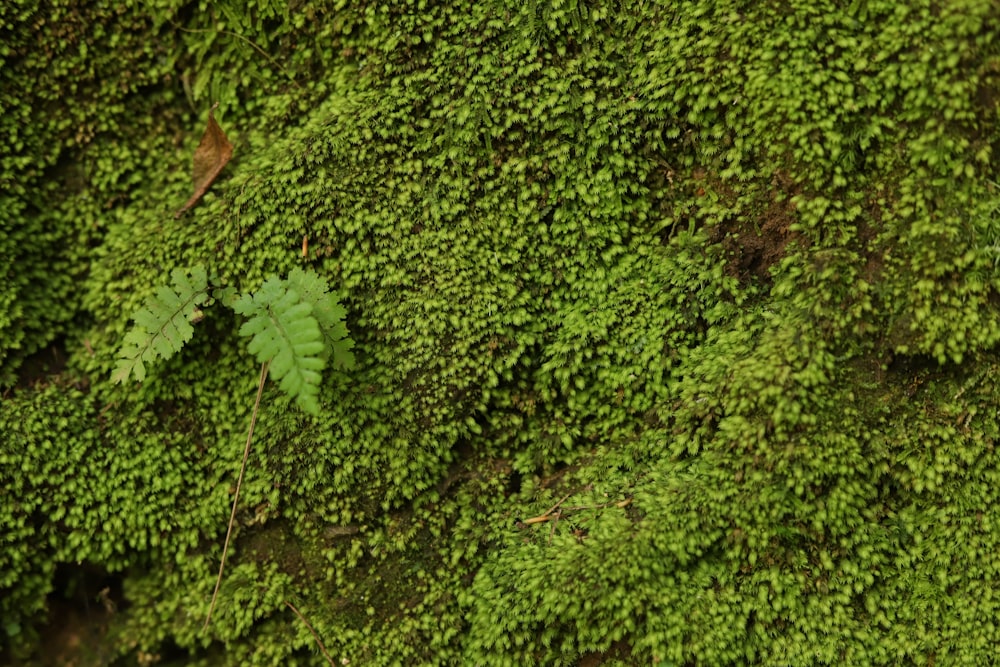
675, 332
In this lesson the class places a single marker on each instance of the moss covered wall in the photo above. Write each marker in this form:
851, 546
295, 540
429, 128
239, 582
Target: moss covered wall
675, 326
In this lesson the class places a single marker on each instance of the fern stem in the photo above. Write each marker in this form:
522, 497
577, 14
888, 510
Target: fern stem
253, 44
313, 632
236, 498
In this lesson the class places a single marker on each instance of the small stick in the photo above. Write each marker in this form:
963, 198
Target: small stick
548, 516
620, 504
548, 513
537, 519
236, 498
556, 506
312, 632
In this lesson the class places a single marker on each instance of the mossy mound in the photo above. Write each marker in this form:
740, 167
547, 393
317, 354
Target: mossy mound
675, 329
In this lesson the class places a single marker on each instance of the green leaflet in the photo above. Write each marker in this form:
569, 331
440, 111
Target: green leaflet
163, 324
329, 315
295, 324
283, 330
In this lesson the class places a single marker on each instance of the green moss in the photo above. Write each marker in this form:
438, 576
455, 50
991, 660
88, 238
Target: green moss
675, 327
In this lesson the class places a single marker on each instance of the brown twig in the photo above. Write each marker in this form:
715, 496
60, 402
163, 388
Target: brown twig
560, 502
236, 498
312, 632
548, 513
549, 516
620, 504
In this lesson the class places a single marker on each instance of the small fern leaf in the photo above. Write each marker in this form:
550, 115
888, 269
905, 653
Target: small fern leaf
343, 357
328, 312
225, 295
163, 325
283, 330
134, 347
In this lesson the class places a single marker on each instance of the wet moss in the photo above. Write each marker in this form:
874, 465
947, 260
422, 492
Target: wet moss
708, 291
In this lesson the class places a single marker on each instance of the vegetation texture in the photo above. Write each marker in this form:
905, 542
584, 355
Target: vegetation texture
675, 327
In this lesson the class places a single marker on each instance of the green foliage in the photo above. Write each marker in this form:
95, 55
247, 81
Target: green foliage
67, 94
715, 281
63, 476
163, 325
282, 330
294, 325
328, 313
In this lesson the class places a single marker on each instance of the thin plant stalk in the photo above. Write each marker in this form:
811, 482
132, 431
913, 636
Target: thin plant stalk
311, 631
236, 499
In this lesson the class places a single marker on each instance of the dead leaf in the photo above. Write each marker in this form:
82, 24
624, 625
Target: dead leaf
212, 154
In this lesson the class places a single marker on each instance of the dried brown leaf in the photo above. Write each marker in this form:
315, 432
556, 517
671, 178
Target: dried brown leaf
212, 154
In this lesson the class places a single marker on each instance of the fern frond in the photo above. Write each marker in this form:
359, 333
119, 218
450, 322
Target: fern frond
163, 324
329, 314
225, 295
283, 330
